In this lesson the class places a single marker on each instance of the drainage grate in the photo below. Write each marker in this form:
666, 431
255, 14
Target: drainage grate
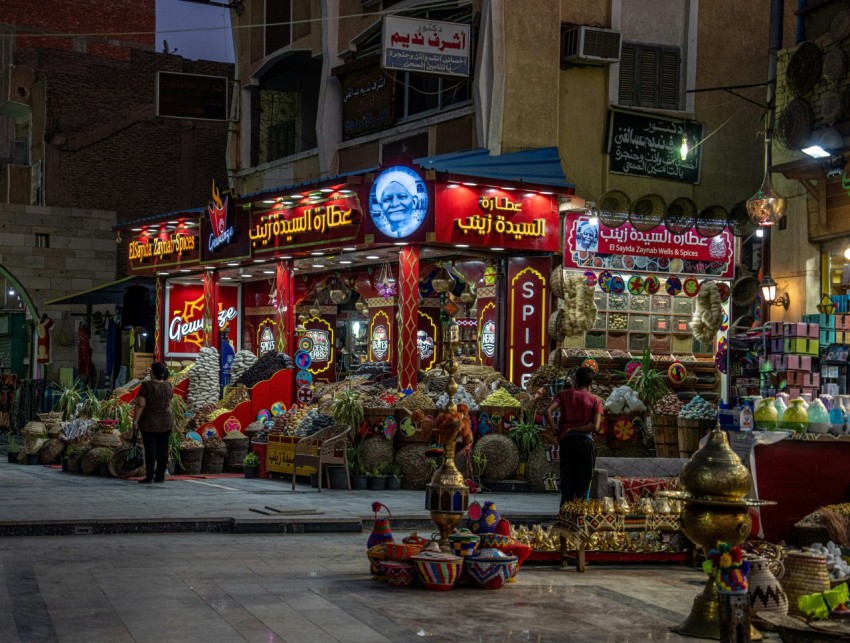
83, 530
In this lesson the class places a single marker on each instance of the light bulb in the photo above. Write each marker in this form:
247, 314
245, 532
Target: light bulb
684, 149
847, 254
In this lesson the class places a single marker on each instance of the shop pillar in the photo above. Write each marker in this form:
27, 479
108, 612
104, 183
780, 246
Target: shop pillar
408, 306
158, 344
285, 306
211, 308
528, 312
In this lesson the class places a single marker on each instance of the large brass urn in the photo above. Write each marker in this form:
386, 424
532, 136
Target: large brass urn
716, 509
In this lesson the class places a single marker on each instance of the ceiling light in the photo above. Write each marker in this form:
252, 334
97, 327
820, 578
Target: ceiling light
209, 267
345, 262
317, 254
547, 193
318, 265
497, 249
294, 269
400, 243
162, 274
233, 263
816, 152
287, 257
259, 261
296, 196
227, 278
509, 189
760, 232
452, 186
461, 245
173, 222
136, 229
529, 195
268, 272
372, 257
350, 249
325, 190
472, 185
185, 270
270, 202
847, 254
346, 192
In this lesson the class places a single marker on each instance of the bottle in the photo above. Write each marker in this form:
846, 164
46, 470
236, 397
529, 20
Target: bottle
780, 405
746, 421
726, 417
766, 416
837, 418
796, 418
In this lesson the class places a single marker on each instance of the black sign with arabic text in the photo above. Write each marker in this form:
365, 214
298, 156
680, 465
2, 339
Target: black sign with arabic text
650, 146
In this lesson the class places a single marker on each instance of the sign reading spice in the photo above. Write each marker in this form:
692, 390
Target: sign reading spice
651, 146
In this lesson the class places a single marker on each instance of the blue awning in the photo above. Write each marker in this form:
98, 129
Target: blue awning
541, 166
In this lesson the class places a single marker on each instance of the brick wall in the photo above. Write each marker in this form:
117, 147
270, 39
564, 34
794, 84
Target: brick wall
65, 17
106, 150
81, 255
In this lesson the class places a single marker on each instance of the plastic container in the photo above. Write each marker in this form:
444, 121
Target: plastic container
779, 403
796, 419
746, 420
766, 417
837, 419
818, 417
726, 417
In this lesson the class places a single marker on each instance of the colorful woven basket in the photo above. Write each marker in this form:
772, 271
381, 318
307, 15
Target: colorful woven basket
491, 568
401, 551
398, 573
438, 571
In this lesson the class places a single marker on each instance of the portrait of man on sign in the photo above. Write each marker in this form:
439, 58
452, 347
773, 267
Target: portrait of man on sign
398, 202
587, 236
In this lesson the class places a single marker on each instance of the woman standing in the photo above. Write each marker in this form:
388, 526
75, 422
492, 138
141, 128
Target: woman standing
153, 418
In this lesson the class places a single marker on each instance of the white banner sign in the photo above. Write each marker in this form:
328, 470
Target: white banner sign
425, 46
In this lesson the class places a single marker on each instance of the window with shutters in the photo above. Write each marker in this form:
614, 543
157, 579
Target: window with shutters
649, 76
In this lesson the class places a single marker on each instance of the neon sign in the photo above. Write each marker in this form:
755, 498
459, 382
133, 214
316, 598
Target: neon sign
222, 231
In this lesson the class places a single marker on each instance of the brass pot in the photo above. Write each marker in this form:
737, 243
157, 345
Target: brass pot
442, 281
706, 525
717, 471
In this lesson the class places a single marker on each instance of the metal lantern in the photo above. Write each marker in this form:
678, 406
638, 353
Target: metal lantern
361, 305
766, 206
315, 312
302, 318
468, 295
443, 281
339, 292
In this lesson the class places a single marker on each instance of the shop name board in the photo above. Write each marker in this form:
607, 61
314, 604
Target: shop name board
319, 220
265, 337
178, 330
158, 248
488, 338
528, 297
380, 343
596, 246
496, 219
414, 44
219, 212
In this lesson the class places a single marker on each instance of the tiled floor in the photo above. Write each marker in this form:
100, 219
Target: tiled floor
312, 588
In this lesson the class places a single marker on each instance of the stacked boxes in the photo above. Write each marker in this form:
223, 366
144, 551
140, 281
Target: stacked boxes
800, 348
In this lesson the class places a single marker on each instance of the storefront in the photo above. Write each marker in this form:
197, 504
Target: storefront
349, 263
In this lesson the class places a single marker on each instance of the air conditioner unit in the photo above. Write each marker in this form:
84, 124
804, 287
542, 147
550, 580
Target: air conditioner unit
582, 45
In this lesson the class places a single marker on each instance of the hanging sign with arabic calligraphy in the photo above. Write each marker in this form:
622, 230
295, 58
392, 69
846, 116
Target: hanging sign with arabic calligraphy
598, 247
643, 145
496, 219
426, 46
184, 317
367, 100
336, 220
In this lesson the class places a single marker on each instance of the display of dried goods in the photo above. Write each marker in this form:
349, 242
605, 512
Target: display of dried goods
689, 359
708, 314
375, 453
500, 454
578, 305
698, 409
416, 401
204, 378
670, 404
201, 416
460, 397
500, 397
264, 368
624, 399
242, 361
234, 395
618, 354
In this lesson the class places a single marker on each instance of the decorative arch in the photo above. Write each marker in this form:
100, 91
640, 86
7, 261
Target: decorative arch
25, 296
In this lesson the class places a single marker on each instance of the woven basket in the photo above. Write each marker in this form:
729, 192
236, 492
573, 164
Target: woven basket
116, 462
805, 573
236, 452
666, 433
375, 453
191, 460
105, 439
557, 282
556, 326
414, 466
539, 468
50, 451
213, 459
502, 456
90, 464
690, 432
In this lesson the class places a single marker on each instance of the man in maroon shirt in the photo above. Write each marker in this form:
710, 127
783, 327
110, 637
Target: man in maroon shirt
581, 416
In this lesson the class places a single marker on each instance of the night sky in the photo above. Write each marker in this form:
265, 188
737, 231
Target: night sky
207, 44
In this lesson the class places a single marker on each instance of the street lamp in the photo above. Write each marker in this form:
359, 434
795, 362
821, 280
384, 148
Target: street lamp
768, 293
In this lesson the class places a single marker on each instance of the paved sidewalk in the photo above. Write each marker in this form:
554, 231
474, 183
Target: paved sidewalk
39, 500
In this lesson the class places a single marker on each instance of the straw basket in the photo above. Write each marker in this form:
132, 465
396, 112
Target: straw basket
53, 422
236, 450
213, 459
105, 439
805, 573
558, 282
765, 592
665, 428
90, 464
690, 432
51, 451
117, 460
191, 460
31, 432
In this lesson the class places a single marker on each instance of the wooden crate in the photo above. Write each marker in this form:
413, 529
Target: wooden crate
280, 454
141, 362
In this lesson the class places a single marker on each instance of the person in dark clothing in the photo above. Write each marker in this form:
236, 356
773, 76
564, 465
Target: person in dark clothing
153, 418
581, 416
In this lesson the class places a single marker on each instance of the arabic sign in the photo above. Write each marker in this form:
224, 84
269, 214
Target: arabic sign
398, 204
599, 247
650, 146
426, 46
367, 101
496, 219
154, 249
335, 220
184, 317
528, 298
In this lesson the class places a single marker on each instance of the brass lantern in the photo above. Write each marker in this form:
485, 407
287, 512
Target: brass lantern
361, 305
443, 281
339, 292
468, 295
315, 311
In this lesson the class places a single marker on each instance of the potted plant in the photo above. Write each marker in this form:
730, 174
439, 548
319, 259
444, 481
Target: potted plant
68, 401
103, 462
348, 408
394, 478
74, 454
12, 449
251, 465
650, 384
527, 437
378, 479
359, 481
174, 460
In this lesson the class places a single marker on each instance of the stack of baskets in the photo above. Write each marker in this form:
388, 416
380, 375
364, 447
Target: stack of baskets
690, 432
805, 573
665, 429
52, 422
237, 448
213, 457
191, 459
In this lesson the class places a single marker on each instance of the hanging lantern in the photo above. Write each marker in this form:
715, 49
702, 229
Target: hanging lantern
766, 206
387, 285
443, 281
489, 277
315, 311
467, 296
339, 292
360, 305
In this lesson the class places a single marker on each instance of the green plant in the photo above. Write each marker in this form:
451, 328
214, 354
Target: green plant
104, 456
174, 439
394, 470
13, 446
379, 472
348, 408
355, 465
251, 460
180, 413
89, 406
115, 409
479, 463
526, 435
67, 402
649, 383
76, 451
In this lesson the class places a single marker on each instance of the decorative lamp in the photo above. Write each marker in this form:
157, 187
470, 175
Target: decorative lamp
468, 295
339, 292
768, 293
315, 311
766, 206
443, 282
361, 305
826, 305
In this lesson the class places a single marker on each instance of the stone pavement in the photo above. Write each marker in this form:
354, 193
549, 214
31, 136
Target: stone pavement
39, 500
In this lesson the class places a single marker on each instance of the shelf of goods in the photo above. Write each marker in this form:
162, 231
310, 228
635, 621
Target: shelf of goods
702, 377
632, 323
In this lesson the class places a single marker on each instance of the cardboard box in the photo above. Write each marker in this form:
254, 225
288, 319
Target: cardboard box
824, 321
798, 329
801, 345
842, 322
793, 392
798, 362
827, 336
796, 378
811, 391
776, 345
774, 328
811, 380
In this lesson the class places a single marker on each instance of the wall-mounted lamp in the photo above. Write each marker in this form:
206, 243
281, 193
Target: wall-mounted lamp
768, 293
683, 151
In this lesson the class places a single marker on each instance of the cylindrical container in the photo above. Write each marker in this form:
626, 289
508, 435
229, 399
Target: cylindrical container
690, 432
213, 459
236, 452
765, 591
796, 419
805, 573
191, 460
665, 429
818, 417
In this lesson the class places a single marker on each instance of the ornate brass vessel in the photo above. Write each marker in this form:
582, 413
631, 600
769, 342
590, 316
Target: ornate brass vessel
716, 471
